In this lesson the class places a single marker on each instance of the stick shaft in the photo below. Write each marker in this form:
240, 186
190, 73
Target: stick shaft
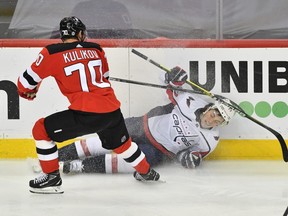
141, 55
153, 85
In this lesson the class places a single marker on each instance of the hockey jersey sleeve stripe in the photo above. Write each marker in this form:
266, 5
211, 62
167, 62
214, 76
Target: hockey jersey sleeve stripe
29, 79
169, 92
33, 75
25, 82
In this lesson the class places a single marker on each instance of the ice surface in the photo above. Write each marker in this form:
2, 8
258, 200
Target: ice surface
233, 188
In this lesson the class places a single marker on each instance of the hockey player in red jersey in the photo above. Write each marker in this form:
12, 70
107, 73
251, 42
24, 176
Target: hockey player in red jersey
81, 71
186, 130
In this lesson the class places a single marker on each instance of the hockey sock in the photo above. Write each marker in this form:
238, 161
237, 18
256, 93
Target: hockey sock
94, 164
115, 164
68, 152
91, 146
47, 153
132, 154
108, 163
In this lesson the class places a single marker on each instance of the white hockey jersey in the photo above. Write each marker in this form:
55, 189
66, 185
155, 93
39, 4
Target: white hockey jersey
181, 129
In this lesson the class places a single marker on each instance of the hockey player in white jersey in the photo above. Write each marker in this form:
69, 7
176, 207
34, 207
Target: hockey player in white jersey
185, 130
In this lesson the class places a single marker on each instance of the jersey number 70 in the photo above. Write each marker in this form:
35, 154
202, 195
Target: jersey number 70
80, 67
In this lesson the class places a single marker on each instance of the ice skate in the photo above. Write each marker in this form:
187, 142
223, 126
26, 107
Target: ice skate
47, 184
152, 175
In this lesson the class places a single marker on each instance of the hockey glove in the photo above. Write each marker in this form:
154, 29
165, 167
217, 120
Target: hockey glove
177, 77
30, 95
189, 159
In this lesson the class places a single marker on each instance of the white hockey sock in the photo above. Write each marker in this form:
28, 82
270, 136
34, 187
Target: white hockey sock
91, 146
115, 164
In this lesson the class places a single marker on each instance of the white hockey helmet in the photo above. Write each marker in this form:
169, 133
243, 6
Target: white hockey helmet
225, 111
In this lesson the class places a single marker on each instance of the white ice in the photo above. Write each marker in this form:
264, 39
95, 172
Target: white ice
232, 188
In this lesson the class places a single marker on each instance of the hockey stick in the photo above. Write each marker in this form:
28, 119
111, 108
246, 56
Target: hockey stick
153, 85
233, 105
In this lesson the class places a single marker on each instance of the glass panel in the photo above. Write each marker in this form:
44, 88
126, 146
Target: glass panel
189, 19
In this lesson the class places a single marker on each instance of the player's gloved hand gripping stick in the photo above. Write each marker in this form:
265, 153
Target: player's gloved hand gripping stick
233, 105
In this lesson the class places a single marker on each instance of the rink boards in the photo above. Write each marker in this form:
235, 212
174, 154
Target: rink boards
256, 78
226, 150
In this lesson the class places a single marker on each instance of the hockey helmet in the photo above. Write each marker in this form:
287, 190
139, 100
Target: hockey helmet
225, 111
71, 26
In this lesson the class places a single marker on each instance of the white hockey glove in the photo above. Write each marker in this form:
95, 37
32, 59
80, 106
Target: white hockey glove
189, 159
177, 77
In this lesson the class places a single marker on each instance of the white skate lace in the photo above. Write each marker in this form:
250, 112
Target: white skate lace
76, 166
41, 178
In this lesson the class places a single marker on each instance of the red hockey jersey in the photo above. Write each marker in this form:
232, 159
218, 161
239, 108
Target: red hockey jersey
81, 72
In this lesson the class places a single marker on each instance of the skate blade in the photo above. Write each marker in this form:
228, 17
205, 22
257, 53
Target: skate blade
154, 182
47, 190
151, 182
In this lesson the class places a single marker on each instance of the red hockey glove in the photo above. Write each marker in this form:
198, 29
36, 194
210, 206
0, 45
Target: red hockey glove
177, 77
29, 95
189, 159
